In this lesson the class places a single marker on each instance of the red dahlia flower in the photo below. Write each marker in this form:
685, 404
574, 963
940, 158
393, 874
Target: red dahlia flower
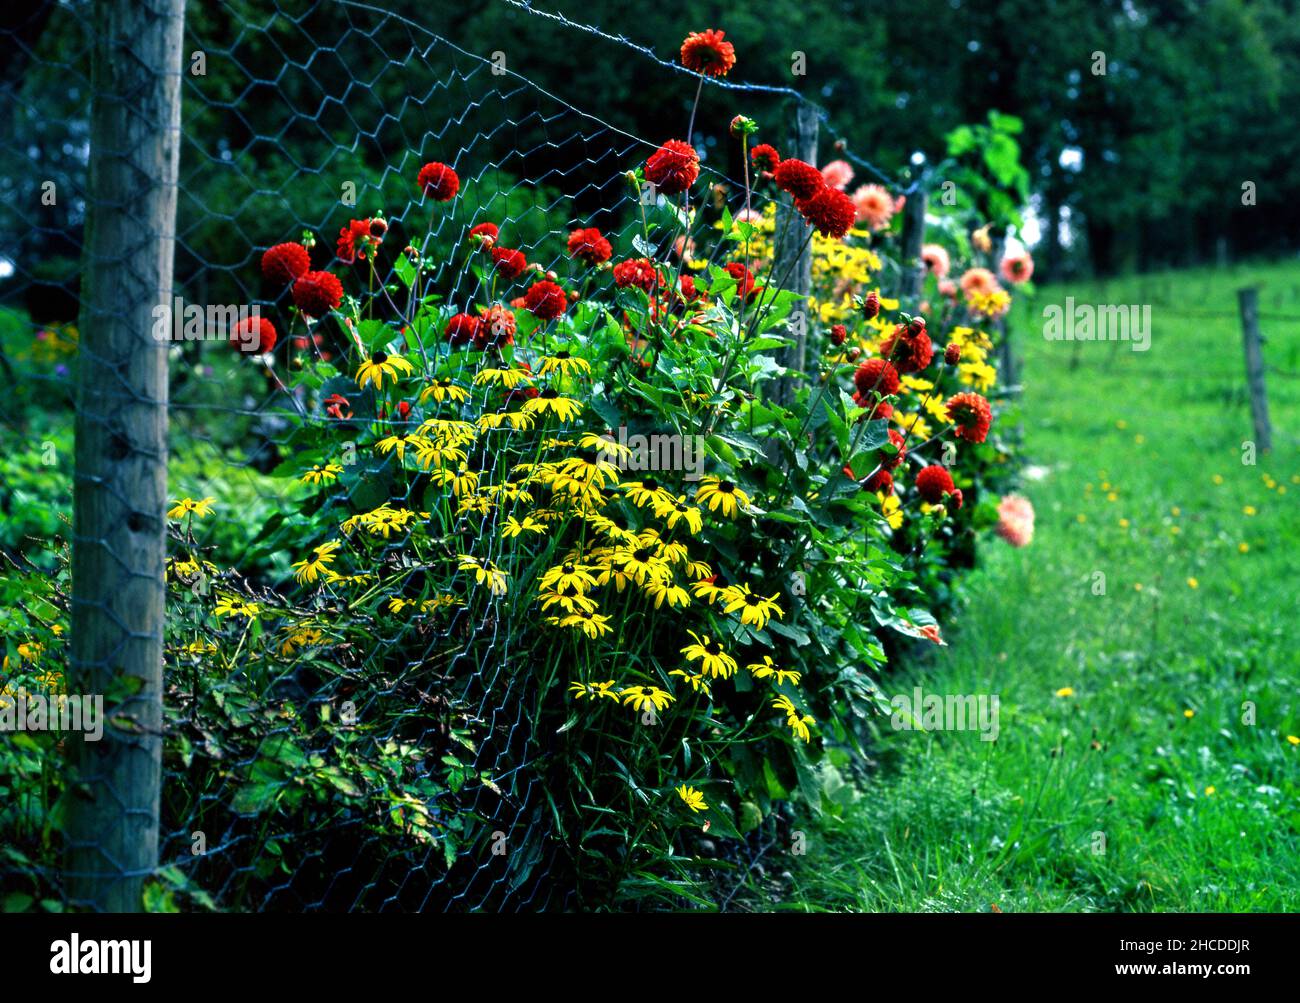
689, 292
707, 52
765, 158
891, 461
639, 272
743, 276
673, 168
876, 375
509, 263
590, 245
353, 240
952, 354
871, 305
545, 300
910, 350
971, 414
798, 178
438, 181
933, 483
829, 210
497, 326
317, 293
253, 331
839, 334
285, 262
462, 329
485, 233
881, 480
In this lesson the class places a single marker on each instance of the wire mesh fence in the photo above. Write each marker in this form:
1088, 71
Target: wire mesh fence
382, 750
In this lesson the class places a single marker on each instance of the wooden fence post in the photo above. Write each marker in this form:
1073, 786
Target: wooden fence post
1248, 300
120, 489
913, 236
793, 253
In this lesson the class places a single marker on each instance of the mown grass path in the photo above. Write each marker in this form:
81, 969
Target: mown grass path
1149, 748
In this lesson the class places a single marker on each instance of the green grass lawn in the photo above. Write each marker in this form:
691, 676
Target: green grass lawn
1144, 785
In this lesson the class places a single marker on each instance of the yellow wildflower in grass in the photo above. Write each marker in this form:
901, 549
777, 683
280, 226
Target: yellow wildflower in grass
308, 570
798, 723
1249, 510
444, 389
513, 527
1192, 583
711, 656
1209, 791
564, 364
1217, 478
721, 494
185, 506
692, 798
1243, 547
1293, 739
755, 610
767, 669
381, 365
235, 606
486, 574
321, 473
1189, 713
549, 401
594, 691
646, 697
1065, 691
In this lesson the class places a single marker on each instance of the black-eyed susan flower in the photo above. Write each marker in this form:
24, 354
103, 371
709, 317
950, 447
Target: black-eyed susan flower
697, 569
692, 798
321, 473
754, 609
463, 481
592, 624
433, 453
594, 690
565, 364
678, 511
590, 468
711, 589
186, 506
400, 443
569, 573
721, 495
517, 420
235, 606
697, 680
444, 389
711, 656
299, 637
666, 592
767, 669
486, 574
795, 721
605, 445
505, 376
641, 563
645, 697
382, 521
310, 569
381, 365
514, 527
646, 492
549, 401
475, 504
570, 599
448, 432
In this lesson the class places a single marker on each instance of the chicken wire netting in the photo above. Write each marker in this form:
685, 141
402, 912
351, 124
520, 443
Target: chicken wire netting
385, 756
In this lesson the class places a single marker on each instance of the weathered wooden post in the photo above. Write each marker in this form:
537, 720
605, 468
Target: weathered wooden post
120, 491
913, 236
1248, 300
793, 254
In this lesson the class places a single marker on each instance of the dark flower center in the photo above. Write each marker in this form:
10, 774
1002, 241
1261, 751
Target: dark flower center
642, 555
563, 355
726, 486
650, 484
378, 358
550, 393
713, 648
